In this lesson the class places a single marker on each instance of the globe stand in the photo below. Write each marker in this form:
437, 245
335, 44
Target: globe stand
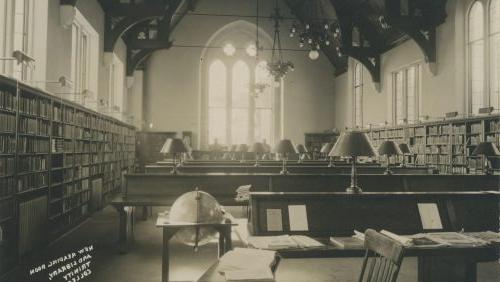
171, 228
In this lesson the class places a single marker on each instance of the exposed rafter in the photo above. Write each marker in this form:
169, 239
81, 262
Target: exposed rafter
379, 25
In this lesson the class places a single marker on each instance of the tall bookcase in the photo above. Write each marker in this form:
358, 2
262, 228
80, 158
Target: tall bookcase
446, 145
55, 149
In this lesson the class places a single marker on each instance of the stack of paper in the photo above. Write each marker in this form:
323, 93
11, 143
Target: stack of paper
243, 193
488, 236
282, 242
243, 264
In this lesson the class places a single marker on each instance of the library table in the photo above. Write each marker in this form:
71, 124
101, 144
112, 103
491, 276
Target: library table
434, 264
170, 229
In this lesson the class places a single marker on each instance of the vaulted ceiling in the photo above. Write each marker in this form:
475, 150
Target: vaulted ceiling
380, 25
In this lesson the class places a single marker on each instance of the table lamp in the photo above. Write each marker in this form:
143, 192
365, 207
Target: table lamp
285, 147
389, 148
486, 149
353, 144
405, 150
242, 148
174, 146
325, 150
259, 149
302, 150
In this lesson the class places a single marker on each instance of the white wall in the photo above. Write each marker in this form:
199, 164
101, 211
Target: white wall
440, 93
172, 82
59, 45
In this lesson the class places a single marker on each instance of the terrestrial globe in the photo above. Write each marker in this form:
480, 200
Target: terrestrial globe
196, 207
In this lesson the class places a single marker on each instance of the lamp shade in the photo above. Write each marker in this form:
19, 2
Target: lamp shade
405, 149
285, 146
389, 148
174, 146
242, 148
486, 149
258, 148
327, 147
301, 149
352, 144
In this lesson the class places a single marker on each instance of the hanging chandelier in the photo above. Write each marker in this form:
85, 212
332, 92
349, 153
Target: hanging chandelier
316, 31
278, 67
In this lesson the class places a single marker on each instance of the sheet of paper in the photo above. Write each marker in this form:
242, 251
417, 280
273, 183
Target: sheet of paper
274, 220
429, 215
297, 215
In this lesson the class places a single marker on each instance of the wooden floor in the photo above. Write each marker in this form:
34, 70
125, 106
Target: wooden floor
143, 262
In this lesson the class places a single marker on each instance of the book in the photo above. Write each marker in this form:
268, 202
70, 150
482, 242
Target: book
238, 258
455, 239
282, 242
347, 242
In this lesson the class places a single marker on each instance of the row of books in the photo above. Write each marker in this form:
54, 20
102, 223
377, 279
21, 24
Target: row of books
439, 129
443, 139
34, 106
7, 166
493, 126
457, 139
7, 122
437, 159
28, 144
7, 100
476, 128
31, 163
7, 186
34, 126
432, 149
7, 144
458, 129
32, 181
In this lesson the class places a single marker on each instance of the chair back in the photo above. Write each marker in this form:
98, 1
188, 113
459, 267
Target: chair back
383, 258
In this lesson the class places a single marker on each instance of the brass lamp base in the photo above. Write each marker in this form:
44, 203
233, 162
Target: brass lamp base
354, 190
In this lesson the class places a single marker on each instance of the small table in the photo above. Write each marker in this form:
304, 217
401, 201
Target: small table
169, 230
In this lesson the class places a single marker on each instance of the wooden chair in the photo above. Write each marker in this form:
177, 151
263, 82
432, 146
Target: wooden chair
383, 258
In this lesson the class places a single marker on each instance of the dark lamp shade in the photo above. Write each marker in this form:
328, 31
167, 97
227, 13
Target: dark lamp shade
405, 149
301, 149
352, 144
327, 147
243, 148
487, 149
389, 148
174, 146
285, 146
258, 148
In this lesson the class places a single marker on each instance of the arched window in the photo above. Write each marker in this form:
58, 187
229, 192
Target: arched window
263, 124
240, 104
494, 44
217, 102
358, 95
476, 57
236, 117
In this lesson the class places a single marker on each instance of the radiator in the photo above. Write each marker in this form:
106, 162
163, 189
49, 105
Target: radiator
32, 224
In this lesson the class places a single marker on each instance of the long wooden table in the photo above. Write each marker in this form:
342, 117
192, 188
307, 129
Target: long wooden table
293, 168
339, 214
147, 190
434, 265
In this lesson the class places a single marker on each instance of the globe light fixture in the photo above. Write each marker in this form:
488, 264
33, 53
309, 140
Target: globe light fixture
229, 49
313, 55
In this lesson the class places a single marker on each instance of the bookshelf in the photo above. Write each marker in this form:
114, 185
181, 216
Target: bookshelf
55, 148
314, 141
446, 145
